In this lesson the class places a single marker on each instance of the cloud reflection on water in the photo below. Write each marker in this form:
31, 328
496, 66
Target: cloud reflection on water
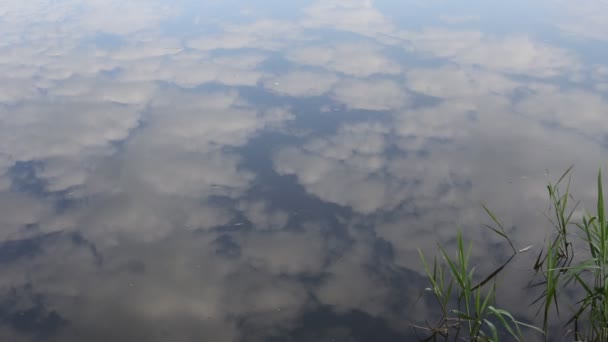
130, 205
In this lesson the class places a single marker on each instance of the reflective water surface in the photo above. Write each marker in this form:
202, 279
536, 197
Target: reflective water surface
267, 170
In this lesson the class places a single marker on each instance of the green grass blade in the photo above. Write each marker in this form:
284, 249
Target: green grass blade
565, 174
453, 269
501, 231
499, 315
600, 201
530, 326
493, 330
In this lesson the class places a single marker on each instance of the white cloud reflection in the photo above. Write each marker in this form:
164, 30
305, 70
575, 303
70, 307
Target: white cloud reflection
458, 82
143, 153
359, 16
574, 110
512, 54
371, 94
301, 83
587, 18
360, 60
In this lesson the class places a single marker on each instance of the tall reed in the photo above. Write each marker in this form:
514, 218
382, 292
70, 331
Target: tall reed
575, 257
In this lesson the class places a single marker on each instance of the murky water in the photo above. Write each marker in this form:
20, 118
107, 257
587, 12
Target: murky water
267, 170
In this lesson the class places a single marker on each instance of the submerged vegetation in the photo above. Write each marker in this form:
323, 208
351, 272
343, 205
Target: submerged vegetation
571, 268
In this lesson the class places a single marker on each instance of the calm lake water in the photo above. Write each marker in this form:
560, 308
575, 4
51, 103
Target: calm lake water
267, 170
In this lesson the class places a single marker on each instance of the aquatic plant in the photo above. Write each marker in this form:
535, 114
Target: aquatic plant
467, 309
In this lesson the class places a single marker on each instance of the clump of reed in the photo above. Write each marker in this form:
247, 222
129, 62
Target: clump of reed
466, 301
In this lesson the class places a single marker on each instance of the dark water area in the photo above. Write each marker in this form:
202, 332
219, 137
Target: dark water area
268, 170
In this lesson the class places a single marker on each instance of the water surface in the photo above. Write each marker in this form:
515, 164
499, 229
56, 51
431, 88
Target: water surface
267, 170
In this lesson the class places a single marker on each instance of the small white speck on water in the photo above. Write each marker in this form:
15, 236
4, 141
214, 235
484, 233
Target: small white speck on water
239, 224
276, 83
